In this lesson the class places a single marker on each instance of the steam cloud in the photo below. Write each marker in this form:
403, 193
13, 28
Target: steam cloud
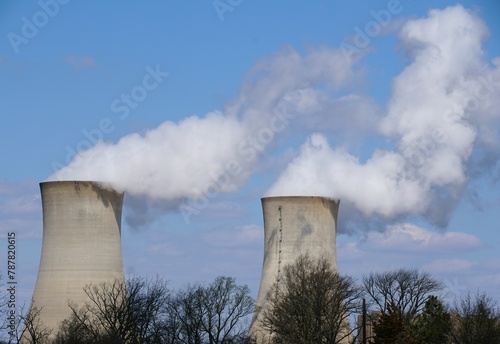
443, 107
442, 111
191, 158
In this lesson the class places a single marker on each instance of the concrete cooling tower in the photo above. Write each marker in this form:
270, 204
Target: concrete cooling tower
81, 245
293, 226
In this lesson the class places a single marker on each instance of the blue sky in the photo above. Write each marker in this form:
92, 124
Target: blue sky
204, 77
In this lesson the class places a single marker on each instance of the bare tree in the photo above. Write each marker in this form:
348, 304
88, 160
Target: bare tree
34, 331
119, 312
77, 329
225, 305
20, 326
213, 314
144, 311
4, 322
186, 315
148, 302
408, 289
475, 320
107, 314
312, 303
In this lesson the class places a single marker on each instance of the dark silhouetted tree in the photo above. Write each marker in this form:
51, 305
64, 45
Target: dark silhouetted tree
33, 329
213, 313
312, 303
475, 320
408, 289
390, 327
433, 325
119, 312
225, 306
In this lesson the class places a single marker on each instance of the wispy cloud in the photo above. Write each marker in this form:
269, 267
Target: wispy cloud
79, 62
29, 204
8, 188
444, 255
404, 244
165, 249
447, 266
235, 237
409, 237
20, 209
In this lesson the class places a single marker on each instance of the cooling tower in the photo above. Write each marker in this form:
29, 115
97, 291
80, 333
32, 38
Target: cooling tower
293, 226
81, 245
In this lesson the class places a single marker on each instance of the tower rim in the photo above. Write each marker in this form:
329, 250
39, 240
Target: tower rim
336, 200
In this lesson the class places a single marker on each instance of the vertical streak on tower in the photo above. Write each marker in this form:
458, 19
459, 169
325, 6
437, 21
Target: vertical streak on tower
280, 232
81, 245
293, 226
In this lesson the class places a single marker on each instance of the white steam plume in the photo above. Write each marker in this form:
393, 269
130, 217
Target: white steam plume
214, 153
439, 104
443, 108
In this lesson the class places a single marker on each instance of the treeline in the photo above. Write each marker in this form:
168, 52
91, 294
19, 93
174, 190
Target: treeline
143, 311
314, 304
311, 303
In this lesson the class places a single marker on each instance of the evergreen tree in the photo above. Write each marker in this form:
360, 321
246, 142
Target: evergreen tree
390, 327
433, 325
